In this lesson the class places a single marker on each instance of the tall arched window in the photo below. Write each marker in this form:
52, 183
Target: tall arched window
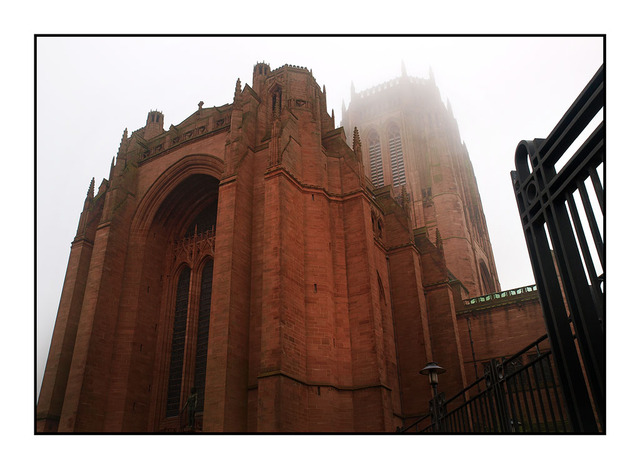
375, 160
178, 343
396, 157
383, 300
486, 278
202, 340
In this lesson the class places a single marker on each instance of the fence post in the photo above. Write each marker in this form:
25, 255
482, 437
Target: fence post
497, 374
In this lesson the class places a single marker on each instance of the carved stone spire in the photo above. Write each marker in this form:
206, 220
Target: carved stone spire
123, 141
92, 187
238, 90
357, 143
87, 204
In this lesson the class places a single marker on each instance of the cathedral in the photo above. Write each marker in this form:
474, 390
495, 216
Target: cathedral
263, 270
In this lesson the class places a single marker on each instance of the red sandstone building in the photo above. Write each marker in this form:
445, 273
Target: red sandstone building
298, 275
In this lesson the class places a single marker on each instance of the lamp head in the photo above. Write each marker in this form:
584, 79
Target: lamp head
432, 370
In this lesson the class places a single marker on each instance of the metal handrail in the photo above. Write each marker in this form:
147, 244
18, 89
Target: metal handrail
524, 399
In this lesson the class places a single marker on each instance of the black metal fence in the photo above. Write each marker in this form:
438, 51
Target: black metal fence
560, 196
517, 394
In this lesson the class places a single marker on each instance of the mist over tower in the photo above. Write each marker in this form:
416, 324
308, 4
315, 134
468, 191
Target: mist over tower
410, 140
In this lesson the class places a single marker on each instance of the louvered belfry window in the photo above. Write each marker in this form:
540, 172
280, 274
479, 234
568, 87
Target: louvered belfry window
204, 311
178, 343
375, 159
397, 158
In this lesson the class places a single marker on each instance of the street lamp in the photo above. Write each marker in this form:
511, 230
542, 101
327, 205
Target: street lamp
432, 370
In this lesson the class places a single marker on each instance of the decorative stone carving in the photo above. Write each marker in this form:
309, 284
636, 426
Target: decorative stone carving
191, 250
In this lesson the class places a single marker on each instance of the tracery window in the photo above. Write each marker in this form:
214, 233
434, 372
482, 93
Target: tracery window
375, 160
202, 340
193, 284
178, 343
396, 157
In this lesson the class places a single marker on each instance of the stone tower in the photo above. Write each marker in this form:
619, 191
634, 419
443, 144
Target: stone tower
410, 140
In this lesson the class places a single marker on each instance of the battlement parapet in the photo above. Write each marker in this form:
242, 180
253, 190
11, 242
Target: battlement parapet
289, 66
392, 83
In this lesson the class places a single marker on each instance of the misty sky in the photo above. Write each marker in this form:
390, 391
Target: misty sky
501, 89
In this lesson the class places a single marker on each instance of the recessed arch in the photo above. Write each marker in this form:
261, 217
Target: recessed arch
200, 264
168, 181
391, 126
161, 248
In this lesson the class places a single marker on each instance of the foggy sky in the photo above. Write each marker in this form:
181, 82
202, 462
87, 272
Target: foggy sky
501, 89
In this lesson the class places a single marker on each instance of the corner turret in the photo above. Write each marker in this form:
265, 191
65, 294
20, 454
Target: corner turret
260, 72
154, 126
237, 92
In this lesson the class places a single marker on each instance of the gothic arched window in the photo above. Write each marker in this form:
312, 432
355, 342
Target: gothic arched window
204, 310
486, 278
383, 300
375, 160
396, 157
178, 342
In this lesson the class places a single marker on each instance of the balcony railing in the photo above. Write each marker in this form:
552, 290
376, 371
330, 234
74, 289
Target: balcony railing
500, 295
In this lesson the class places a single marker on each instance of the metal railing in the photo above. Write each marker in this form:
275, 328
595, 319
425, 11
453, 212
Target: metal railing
500, 295
518, 394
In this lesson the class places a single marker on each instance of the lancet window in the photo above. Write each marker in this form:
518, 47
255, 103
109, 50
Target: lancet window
178, 343
396, 157
204, 312
193, 286
375, 159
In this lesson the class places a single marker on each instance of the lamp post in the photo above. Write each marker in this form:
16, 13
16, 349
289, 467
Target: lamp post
432, 370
